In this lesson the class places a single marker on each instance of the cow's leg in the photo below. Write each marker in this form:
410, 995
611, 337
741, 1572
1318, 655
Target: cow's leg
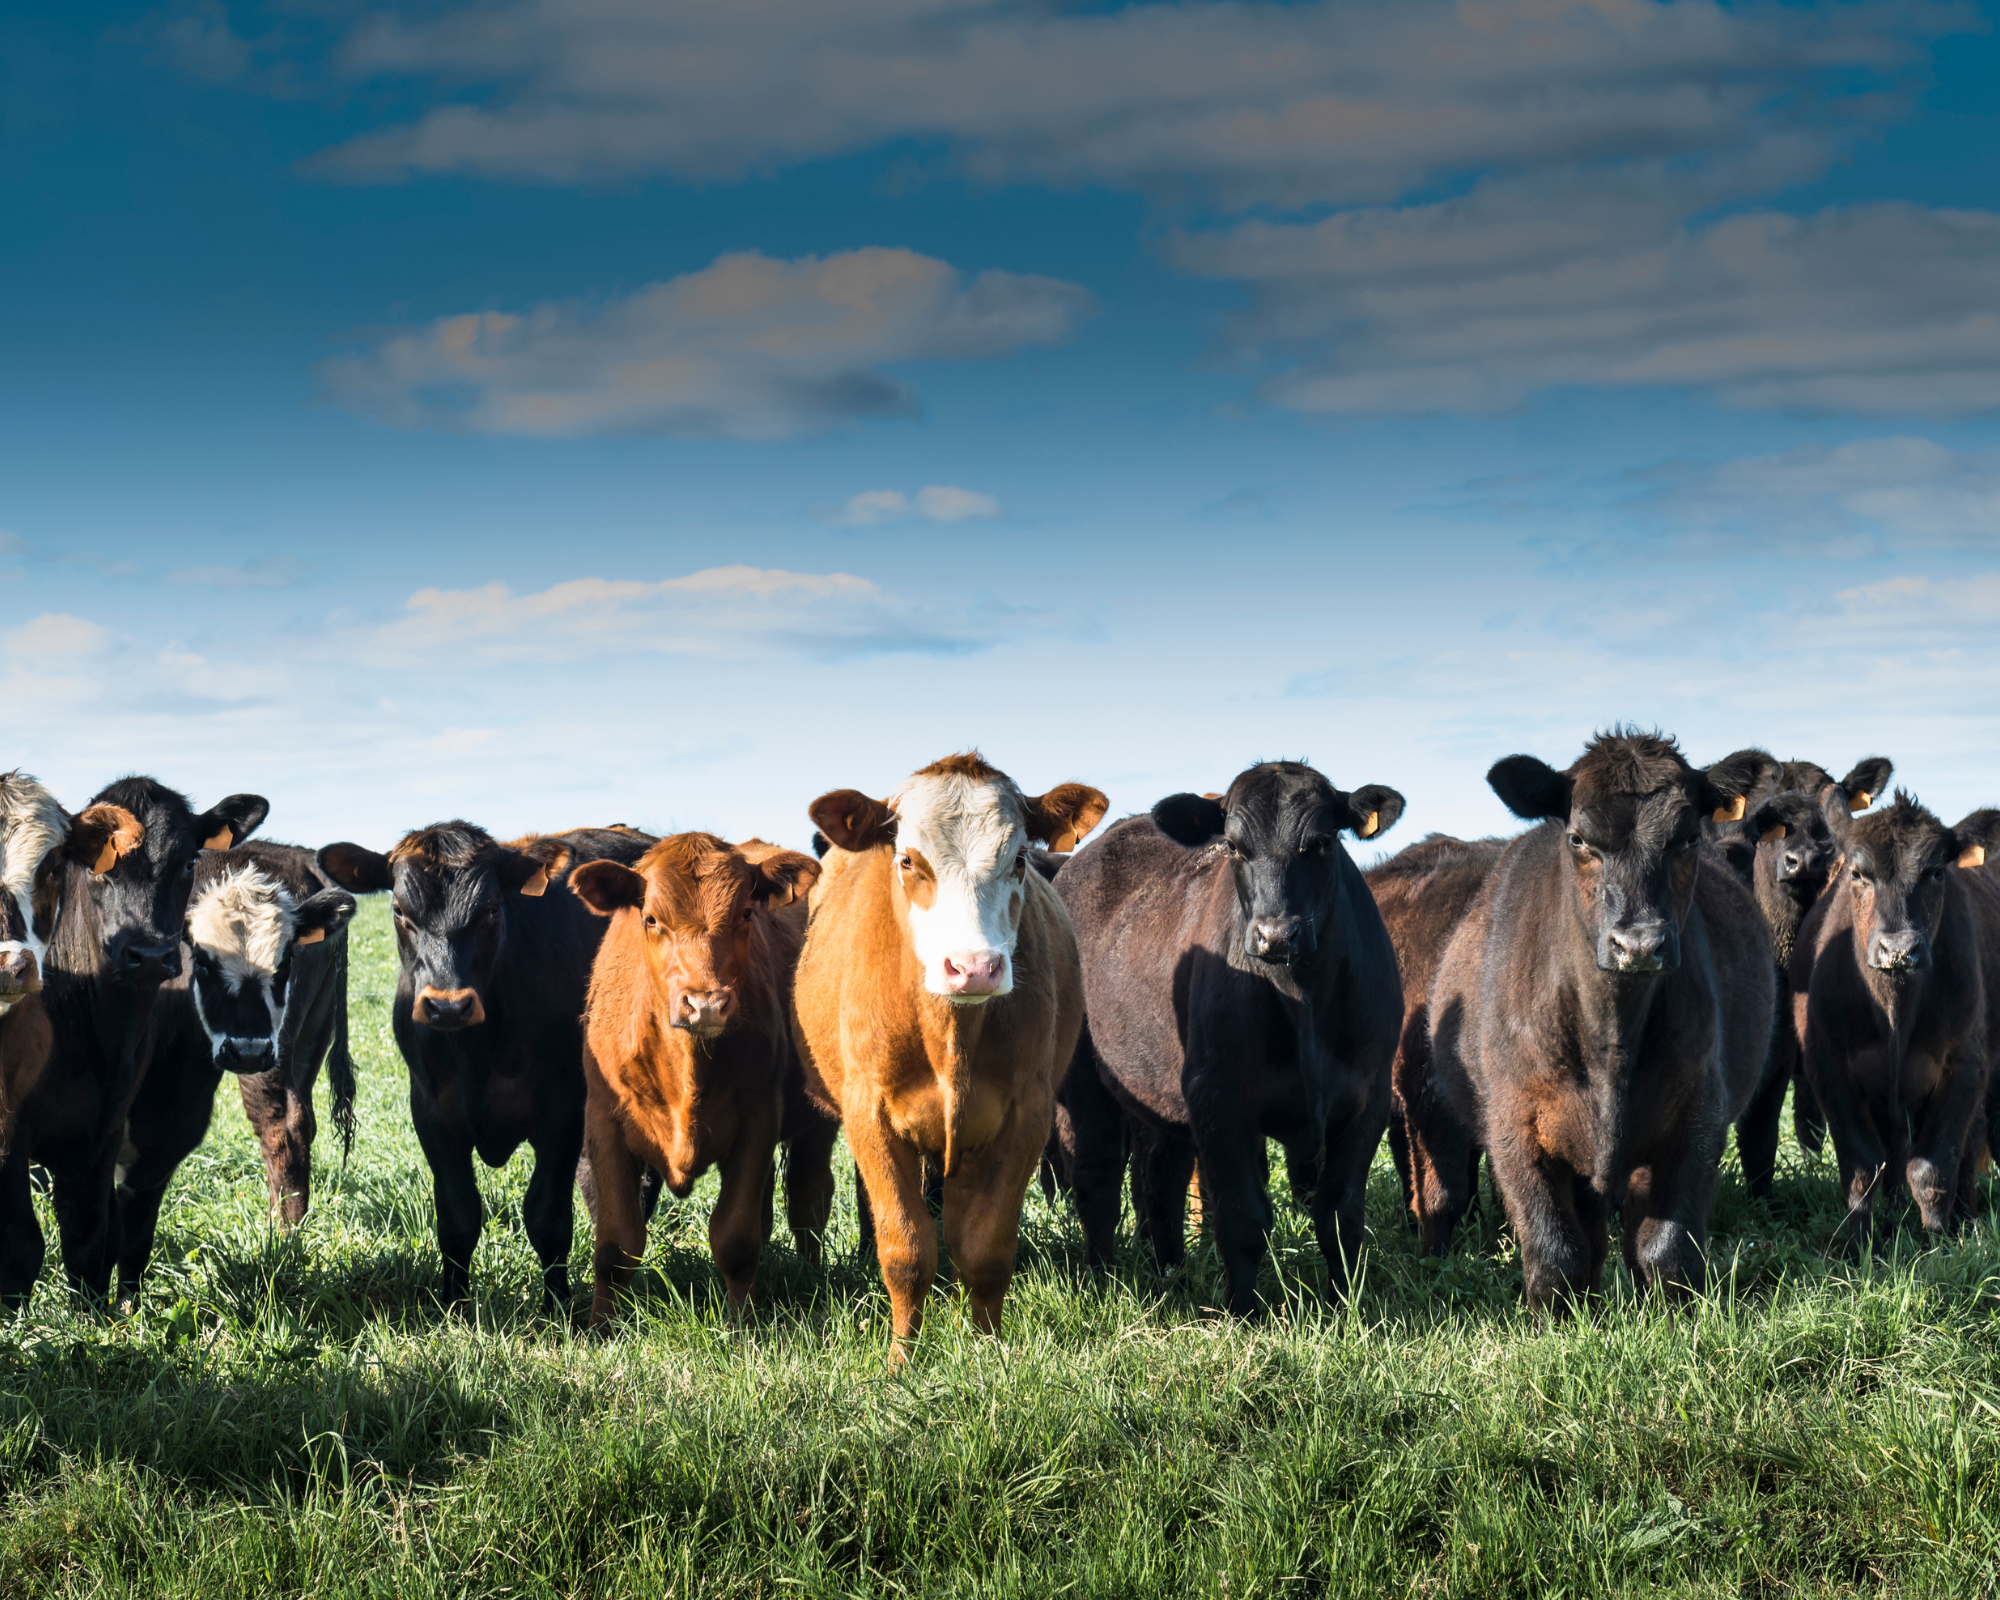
740, 1225
1757, 1128
1860, 1154
809, 1184
548, 1213
1099, 1154
281, 1115
1163, 1162
1233, 1167
1941, 1137
140, 1192
620, 1226
87, 1222
455, 1192
906, 1243
1666, 1206
1340, 1204
22, 1247
1399, 1156
982, 1211
1444, 1169
1559, 1255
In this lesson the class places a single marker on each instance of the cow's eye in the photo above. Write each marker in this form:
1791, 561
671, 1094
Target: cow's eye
188, 870
902, 863
652, 923
1021, 864
1933, 874
1575, 840
1688, 843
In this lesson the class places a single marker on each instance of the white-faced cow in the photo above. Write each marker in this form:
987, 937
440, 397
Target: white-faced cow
938, 998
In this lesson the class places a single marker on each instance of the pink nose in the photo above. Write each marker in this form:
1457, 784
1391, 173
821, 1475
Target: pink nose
17, 972
974, 973
706, 1012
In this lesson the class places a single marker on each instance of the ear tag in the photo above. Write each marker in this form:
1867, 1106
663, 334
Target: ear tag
538, 882
220, 841
1374, 821
107, 858
311, 936
1974, 855
1860, 800
1063, 843
1772, 834
1733, 812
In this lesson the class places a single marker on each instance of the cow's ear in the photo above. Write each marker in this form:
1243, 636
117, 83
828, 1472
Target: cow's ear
1373, 809
1732, 780
1189, 819
1978, 838
102, 837
226, 824
324, 913
1064, 815
852, 821
1862, 787
1531, 788
1839, 814
355, 868
608, 886
783, 876
529, 869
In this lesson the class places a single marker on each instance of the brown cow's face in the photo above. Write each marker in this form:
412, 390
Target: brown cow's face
697, 899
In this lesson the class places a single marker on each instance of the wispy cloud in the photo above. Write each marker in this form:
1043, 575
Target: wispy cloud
747, 348
937, 502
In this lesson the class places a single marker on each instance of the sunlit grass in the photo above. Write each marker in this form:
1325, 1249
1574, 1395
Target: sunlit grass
294, 1415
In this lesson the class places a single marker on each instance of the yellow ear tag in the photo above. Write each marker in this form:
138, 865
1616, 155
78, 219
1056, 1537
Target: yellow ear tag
1374, 821
311, 936
1772, 834
1974, 855
1733, 812
220, 842
107, 858
1062, 843
1861, 800
538, 882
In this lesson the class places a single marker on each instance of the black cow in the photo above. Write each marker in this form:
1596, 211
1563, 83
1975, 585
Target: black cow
117, 941
263, 995
1602, 1013
1896, 984
496, 956
1238, 985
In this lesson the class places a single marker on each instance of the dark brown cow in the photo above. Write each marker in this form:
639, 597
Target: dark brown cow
1894, 978
1601, 1015
1422, 892
688, 1059
938, 997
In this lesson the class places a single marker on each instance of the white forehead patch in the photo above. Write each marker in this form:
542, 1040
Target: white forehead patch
31, 826
962, 825
969, 830
245, 920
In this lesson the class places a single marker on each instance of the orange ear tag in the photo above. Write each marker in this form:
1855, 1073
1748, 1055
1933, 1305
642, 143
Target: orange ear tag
107, 858
1733, 812
221, 841
1772, 834
1860, 800
311, 936
538, 882
1974, 855
1374, 821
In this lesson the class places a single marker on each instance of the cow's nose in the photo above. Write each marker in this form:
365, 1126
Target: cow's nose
705, 1011
1897, 952
1791, 863
1639, 949
458, 1008
153, 963
1274, 938
974, 972
256, 1049
17, 971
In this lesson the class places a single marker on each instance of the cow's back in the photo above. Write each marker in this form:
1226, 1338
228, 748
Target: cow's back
1422, 893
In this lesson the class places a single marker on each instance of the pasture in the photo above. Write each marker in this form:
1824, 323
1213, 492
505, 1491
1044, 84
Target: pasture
295, 1416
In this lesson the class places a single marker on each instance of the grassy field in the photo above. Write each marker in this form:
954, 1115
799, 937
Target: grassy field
294, 1416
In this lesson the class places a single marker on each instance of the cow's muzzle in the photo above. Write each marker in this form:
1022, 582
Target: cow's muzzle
1640, 950
19, 975
1906, 951
975, 974
703, 1012
1277, 939
448, 1010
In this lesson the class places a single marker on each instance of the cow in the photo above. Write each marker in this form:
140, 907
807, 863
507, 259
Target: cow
495, 956
1602, 1013
37, 839
262, 995
116, 941
688, 1058
938, 998
1896, 991
1239, 985
1421, 893
1784, 851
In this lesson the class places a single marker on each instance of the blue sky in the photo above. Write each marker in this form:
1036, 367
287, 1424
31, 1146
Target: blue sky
552, 411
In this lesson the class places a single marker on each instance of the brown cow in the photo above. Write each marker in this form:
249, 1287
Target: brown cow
1896, 991
939, 997
688, 1060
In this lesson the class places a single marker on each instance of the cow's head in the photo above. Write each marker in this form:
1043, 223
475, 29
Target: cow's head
1795, 849
696, 898
1896, 861
1632, 810
452, 884
141, 902
1280, 825
960, 830
245, 930
37, 840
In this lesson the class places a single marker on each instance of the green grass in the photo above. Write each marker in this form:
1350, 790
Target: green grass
293, 1415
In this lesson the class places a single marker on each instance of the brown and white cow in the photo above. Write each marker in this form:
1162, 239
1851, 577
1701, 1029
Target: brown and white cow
37, 837
688, 1059
938, 1000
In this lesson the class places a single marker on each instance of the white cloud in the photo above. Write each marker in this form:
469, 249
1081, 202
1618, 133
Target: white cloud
749, 347
54, 637
937, 502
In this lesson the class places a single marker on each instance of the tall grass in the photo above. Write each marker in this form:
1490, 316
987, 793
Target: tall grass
294, 1415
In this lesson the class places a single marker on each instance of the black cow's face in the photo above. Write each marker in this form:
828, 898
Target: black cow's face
1896, 864
246, 933
1632, 810
37, 841
1280, 825
141, 902
1795, 849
